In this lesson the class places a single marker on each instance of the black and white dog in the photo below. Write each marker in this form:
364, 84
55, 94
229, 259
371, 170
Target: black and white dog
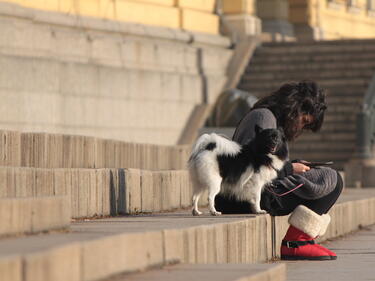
219, 164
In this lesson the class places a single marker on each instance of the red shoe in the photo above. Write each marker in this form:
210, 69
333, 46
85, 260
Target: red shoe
297, 245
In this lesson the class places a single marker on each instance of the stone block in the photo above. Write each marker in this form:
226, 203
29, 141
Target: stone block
78, 151
186, 192
190, 248
175, 189
83, 191
16, 216
220, 237
121, 253
106, 50
199, 21
62, 182
103, 182
58, 215
3, 183
109, 150
55, 151
166, 190
99, 153
200, 5
89, 146
173, 245
11, 268
23, 183
272, 9
79, 79
242, 25
239, 7
28, 215
34, 150
92, 196
234, 250
201, 242
159, 2
70, 45
113, 83
44, 182
58, 264
158, 195
147, 191
147, 14
214, 86
130, 191
10, 148
45, 73
75, 192
9, 181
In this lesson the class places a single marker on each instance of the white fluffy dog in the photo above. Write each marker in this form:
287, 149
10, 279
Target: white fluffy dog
218, 164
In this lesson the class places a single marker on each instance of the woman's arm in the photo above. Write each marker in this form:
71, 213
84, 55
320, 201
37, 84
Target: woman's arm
286, 170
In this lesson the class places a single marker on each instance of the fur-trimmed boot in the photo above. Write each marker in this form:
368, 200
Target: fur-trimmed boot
298, 243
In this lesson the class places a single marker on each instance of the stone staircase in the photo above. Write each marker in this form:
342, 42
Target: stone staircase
343, 68
81, 216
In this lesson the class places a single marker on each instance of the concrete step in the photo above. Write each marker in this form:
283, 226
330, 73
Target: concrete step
210, 272
314, 57
307, 145
334, 99
331, 46
333, 91
101, 248
42, 150
295, 66
319, 74
340, 118
29, 215
338, 126
102, 192
326, 84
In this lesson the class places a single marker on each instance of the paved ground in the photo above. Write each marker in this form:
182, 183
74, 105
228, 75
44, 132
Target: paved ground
355, 262
208, 272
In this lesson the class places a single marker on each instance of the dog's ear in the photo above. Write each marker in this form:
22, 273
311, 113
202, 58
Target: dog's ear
258, 129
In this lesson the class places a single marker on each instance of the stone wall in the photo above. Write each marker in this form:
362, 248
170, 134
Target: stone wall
197, 15
78, 75
332, 19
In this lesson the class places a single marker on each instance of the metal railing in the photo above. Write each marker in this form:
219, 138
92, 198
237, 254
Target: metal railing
366, 124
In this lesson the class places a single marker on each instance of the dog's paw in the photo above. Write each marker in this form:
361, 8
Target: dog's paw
215, 213
196, 213
261, 212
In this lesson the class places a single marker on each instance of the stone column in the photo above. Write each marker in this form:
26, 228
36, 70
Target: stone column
239, 20
275, 20
305, 15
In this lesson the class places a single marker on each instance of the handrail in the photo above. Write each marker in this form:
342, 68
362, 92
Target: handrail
366, 124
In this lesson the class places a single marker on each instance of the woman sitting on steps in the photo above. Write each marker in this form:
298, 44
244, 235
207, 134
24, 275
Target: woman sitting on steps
294, 107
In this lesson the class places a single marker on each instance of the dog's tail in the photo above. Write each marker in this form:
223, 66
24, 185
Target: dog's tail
204, 142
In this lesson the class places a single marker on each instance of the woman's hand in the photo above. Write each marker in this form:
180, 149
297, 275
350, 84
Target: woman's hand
299, 168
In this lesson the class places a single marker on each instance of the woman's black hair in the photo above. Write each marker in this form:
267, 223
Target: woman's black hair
292, 100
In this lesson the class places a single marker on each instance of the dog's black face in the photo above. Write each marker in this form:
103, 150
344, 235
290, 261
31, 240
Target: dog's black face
271, 141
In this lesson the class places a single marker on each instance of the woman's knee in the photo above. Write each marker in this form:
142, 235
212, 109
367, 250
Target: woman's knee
339, 184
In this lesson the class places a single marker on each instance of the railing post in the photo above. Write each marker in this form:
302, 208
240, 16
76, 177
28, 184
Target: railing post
364, 133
